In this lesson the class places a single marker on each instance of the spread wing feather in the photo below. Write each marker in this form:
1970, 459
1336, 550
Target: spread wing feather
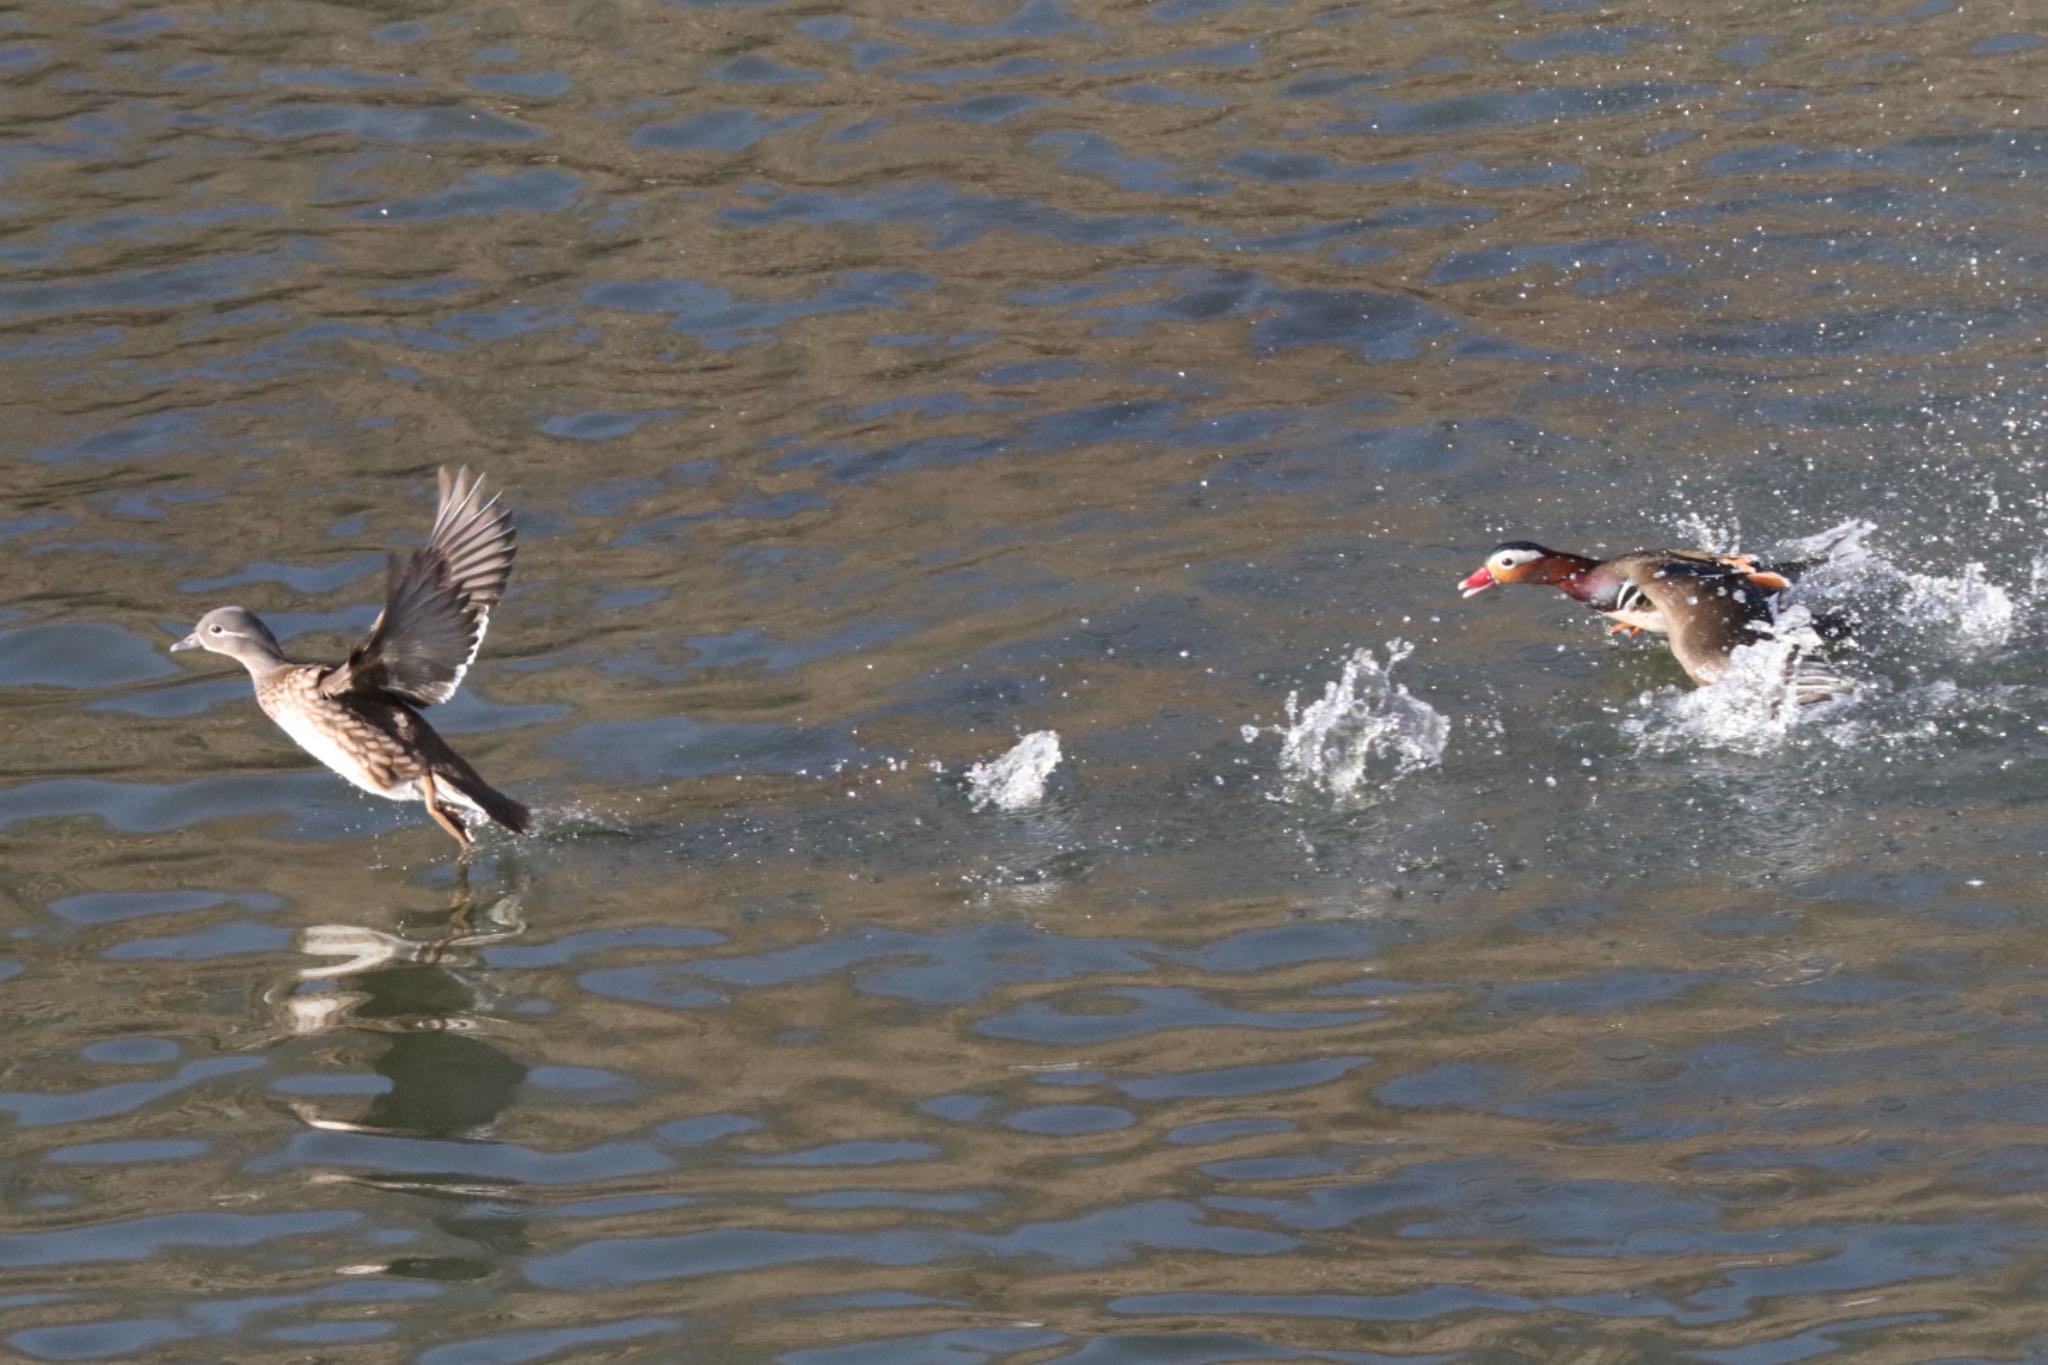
437, 604
1710, 606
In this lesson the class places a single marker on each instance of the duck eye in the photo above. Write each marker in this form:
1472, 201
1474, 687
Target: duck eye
215, 629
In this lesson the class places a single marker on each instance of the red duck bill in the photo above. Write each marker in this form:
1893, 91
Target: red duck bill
1478, 581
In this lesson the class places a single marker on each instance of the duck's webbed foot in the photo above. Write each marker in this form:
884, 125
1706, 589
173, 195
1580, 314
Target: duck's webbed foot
442, 816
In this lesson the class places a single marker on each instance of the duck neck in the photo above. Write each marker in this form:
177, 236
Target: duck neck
1572, 573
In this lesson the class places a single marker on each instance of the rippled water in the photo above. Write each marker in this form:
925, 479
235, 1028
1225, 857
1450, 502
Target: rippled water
877, 387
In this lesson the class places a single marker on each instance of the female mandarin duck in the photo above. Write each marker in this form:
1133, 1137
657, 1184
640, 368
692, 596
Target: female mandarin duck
358, 717
1707, 604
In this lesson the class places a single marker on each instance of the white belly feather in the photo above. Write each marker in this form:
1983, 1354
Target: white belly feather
317, 742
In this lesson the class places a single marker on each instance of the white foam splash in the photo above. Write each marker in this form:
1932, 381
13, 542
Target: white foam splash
1977, 613
1769, 688
1907, 626
1016, 781
1965, 612
1844, 544
1365, 729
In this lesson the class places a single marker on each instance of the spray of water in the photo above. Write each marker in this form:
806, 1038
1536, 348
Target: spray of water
1365, 732
1910, 623
1016, 781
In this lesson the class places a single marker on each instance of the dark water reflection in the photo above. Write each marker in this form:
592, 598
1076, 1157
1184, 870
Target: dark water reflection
876, 386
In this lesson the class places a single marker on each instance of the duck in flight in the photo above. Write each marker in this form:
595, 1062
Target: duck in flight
361, 717
1707, 605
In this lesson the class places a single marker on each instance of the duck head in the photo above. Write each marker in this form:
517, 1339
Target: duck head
236, 632
1519, 561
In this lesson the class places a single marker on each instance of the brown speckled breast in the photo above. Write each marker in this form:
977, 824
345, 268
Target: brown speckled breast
379, 746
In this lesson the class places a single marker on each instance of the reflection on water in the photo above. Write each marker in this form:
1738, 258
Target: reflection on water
1060, 390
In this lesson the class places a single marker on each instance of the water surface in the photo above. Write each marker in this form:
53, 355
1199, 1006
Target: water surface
877, 386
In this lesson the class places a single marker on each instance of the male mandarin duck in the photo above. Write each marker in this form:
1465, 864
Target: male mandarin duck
360, 717
1708, 604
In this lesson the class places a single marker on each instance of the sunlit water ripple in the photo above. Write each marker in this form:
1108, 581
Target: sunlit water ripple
1000, 896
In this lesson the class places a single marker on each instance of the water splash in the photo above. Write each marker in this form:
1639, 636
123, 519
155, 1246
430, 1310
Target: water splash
1364, 732
1770, 688
1908, 626
1016, 781
1976, 613
1963, 613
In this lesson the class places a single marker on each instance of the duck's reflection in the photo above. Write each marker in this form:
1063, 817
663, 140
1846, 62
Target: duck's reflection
416, 1002
419, 991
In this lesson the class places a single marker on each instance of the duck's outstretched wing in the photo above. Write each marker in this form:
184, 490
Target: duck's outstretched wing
437, 604
1710, 605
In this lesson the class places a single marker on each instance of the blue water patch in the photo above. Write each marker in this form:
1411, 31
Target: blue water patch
391, 1154
84, 654
408, 127
718, 130
1295, 168
1264, 1079
1033, 19
1144, 1011
857, 1153
199, 282
1093, 154
1103, 1237
938, 968
221, 1316
34, 1110
1070, 1120
136, 25
535, 190
232, 938
1226, 1130
1050, 433
1464, 113
532, 85
602, 426
131, 1052
1146, 92
573, 948
754, 68
1601, 266
1180, 11
953, 217
950, 1346
1415, 1305
1245, 53
1009, 68
699, 1129
133, 1152
662, 986
993, 108
152, 807
336, 77
961, 1108
516, 1348
305, 580
111, 907
722, 321
1605, 40
585, 1082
